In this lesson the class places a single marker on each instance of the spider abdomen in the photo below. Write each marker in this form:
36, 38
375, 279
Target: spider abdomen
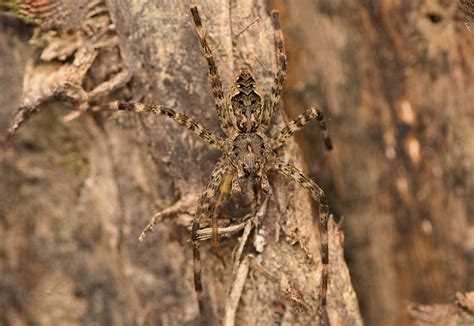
246, 102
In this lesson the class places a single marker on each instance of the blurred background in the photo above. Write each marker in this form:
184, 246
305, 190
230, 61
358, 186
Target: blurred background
396, 82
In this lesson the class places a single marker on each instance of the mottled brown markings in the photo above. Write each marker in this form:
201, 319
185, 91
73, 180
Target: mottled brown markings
246, 103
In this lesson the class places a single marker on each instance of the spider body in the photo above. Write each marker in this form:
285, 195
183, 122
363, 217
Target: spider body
248, 153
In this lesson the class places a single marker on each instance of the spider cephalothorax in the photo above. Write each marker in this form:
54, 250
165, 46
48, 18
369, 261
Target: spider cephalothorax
250, 155
248, 152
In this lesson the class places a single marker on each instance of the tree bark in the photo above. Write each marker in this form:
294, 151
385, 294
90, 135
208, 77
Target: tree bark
78, 195
396, 80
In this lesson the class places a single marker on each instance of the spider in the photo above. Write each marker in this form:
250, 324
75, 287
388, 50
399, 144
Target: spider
248, 153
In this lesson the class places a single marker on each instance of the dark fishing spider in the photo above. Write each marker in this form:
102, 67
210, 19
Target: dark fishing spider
248, 151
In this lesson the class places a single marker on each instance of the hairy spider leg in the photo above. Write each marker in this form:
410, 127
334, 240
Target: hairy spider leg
224, 190
299, 122
215, 79
281, 72
181, 119
207, 205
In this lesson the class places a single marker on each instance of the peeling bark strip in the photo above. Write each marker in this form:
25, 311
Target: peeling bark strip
66, 32
93, 216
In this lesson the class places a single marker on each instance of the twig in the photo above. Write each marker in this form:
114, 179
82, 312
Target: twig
206, 234
236, 292
183, 205
248, 227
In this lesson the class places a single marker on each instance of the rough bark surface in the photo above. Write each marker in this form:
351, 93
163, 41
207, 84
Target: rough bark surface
396, 80
76, 196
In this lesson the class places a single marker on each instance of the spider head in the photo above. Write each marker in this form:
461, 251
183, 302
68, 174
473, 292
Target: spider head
246, 102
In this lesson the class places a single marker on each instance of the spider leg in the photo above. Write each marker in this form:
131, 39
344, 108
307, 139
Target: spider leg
207, 205
298, 123
317, 194
224, 190
181, 119
216, 81
281, 73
